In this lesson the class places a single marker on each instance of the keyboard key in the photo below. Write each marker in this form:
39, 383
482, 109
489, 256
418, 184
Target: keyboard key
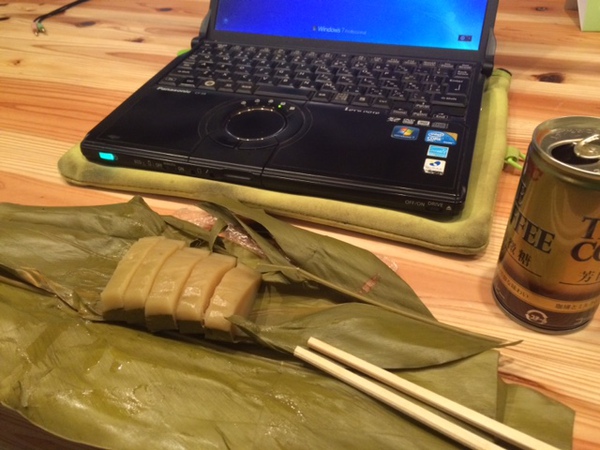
361, 100
400, 112
381, 103
329, 87
457, 86
303, 75
183, 72
245, 88
424, 108
420, 114
346, 80
398, 95
341, 99
449, 99
170, 80
322, 97
210, 85
308, 85
283, 91
354, 90
439, 111
418, 97
376, 92
286, 82
226, 87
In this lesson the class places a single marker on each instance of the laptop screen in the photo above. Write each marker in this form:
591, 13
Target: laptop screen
444, 24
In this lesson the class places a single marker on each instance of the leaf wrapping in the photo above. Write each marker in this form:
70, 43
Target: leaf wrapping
112, 386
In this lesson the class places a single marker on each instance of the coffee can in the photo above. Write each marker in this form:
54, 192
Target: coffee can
548, 273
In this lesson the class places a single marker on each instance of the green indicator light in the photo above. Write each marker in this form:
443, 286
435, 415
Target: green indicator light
107, 156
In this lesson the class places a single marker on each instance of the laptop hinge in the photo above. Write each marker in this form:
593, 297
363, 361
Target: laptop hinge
203, 29
490, 53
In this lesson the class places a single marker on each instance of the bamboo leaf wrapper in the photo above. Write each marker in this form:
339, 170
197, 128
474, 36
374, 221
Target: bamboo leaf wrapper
117, 387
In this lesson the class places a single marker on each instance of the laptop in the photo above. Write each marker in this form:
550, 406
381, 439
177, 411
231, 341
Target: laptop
374, 103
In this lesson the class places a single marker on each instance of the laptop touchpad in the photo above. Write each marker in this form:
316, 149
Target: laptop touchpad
255, 124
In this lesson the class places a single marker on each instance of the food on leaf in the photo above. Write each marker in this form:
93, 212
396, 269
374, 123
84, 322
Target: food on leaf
199, 289
139, 287
234, 295
164, 285
168, 285
112, 295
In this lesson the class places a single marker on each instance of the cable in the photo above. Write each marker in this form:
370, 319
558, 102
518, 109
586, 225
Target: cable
37, 27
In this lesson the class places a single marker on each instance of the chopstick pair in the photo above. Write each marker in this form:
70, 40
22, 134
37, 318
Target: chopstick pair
423, 415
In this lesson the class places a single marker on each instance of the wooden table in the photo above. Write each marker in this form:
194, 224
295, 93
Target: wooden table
55, 87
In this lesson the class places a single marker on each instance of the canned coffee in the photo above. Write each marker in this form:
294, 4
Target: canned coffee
548, 274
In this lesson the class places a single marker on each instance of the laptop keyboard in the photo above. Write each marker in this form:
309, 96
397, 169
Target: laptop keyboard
404, 87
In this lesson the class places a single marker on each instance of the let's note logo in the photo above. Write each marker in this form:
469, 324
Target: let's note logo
405, 133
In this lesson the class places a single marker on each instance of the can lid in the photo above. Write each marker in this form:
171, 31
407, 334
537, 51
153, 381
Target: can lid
588, 148
571, 148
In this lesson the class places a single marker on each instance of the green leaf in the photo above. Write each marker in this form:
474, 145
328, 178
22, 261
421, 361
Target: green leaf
113, 386
385, 338
116, 387
350, 268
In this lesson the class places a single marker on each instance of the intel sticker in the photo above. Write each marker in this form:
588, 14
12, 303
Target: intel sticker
405, 133
441, 137
434, 166
438, 151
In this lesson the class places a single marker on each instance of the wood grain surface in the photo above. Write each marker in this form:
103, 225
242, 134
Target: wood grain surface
54, 87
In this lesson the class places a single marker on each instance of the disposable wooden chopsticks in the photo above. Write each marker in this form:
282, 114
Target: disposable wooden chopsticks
423, 415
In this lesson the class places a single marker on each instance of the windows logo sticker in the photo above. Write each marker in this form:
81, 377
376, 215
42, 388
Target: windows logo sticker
405, 133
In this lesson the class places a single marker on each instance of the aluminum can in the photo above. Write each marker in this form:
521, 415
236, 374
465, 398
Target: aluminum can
548, 273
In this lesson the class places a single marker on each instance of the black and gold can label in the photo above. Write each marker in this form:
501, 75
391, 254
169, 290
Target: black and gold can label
548, 274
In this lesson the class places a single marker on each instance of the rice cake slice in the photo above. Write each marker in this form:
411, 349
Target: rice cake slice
234, 295
169, 283
111, 297
141, 283
198, 290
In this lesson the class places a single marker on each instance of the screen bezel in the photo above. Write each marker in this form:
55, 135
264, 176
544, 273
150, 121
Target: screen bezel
355, 47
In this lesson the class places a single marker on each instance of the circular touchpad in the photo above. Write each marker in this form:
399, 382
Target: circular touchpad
255, 124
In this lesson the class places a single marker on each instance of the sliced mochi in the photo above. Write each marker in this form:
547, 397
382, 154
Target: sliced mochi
198, 290
112, 296
141, 283
169, 283
234, 295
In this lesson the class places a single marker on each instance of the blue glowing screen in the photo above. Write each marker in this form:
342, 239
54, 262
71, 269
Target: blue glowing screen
447, 24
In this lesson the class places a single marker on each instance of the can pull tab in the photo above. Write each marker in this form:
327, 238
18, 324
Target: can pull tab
588, 148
